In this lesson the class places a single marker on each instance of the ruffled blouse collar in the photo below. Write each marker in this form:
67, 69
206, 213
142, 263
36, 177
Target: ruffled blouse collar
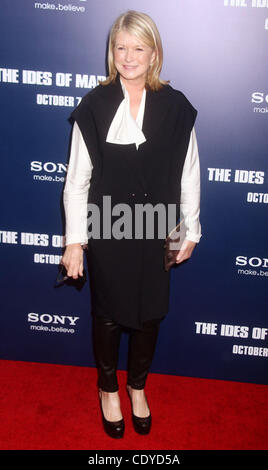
124, 129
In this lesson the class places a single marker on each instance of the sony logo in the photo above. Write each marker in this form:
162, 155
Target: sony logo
253, 261
50, 167
258, 97
50, 318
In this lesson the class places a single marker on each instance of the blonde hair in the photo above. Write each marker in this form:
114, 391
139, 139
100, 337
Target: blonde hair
142, 26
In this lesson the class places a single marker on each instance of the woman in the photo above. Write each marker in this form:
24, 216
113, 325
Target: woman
133, 144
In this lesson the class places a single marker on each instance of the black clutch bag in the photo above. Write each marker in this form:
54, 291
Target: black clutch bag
170, 251
63, 278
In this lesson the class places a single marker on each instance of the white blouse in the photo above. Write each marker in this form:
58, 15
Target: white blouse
124, 129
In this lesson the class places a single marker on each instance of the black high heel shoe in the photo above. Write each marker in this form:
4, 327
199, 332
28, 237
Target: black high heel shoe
141, 425
114, 429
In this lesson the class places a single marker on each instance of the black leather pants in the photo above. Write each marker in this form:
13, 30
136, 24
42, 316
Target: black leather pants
141, 347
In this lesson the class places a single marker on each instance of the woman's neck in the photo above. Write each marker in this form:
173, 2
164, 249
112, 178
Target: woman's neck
133, 87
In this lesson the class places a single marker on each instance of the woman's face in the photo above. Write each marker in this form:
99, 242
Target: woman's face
132, 58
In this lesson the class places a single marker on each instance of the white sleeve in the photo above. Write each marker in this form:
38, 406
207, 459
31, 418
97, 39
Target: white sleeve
190, 193
75, 193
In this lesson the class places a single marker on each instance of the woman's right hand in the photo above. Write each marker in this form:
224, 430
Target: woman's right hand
72, 259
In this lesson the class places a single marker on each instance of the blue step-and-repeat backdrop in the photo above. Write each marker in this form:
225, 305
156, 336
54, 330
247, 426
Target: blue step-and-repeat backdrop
215, 51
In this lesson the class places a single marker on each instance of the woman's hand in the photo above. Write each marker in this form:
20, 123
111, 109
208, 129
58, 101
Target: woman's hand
73, 260
185, 251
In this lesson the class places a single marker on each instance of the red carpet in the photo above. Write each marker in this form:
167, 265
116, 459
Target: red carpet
45, 406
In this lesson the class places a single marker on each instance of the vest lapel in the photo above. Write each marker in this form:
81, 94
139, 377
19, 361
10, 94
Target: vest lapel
112, 95
156, 110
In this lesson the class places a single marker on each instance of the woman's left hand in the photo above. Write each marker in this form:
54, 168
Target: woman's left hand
185, 251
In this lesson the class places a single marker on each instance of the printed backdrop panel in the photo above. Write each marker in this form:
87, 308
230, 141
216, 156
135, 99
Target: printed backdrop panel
215, 52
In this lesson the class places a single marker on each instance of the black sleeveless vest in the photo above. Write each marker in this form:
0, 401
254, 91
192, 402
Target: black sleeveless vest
128, 281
